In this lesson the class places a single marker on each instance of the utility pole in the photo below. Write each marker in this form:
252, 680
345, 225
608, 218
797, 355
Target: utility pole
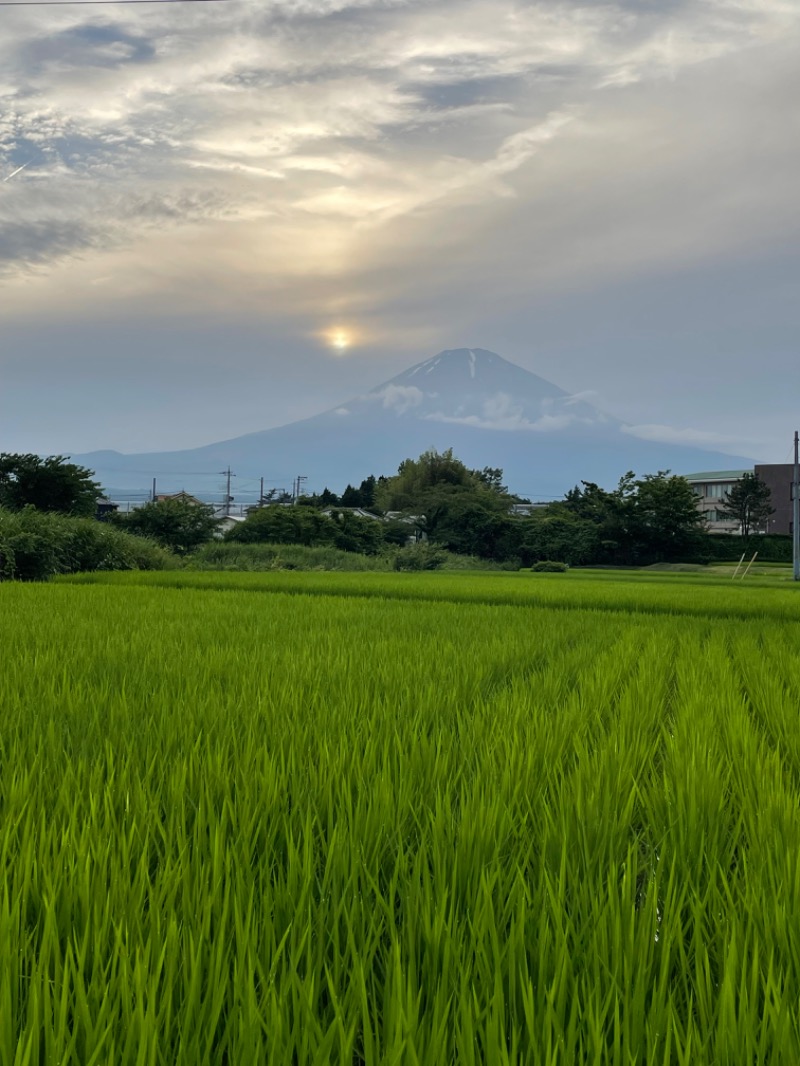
298, 482
796, 511
261, 494
228, 497
154, 490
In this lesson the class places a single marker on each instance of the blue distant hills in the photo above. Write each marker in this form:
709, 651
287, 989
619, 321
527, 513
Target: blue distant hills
490, 411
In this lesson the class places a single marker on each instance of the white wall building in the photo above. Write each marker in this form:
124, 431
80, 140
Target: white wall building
710, 488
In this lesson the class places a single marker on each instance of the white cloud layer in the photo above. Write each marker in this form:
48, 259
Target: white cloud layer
304, 120
686, 435
399, 398
501, 412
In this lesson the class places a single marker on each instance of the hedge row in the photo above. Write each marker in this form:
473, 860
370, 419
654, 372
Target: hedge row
35, 545
726, 548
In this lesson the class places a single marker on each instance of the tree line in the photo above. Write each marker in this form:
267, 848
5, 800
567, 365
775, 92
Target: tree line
434, 499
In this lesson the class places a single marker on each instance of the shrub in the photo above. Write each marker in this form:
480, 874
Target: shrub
309, 527
420, 557
270, 557
429, 557
35, 545
260, 557
549, 566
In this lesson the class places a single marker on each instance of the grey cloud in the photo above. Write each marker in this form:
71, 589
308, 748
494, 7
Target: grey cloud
105, 45
181, 206
40, 242
449, 95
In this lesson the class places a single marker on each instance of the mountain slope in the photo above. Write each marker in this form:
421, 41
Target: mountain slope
490, 411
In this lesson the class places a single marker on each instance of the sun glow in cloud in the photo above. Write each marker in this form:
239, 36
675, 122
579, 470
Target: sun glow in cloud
339, 339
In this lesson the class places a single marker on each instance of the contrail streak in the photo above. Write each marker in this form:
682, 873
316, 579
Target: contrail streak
15, 172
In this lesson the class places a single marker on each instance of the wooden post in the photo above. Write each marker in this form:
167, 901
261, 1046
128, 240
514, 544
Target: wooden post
736, 571
744, 575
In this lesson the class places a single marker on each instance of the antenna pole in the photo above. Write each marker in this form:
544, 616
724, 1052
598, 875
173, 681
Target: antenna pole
228, 497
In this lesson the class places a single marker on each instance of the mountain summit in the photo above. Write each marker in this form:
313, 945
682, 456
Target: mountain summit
489, 411
474, 387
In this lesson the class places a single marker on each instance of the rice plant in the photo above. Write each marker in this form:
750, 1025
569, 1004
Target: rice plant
386, 818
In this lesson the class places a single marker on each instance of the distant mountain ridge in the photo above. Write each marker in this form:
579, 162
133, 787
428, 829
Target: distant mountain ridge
490, 411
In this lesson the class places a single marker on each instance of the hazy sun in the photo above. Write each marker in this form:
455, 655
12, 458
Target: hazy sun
339, 339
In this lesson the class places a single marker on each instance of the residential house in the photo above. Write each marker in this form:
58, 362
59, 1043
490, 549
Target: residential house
226, 522
105, 507
183, 497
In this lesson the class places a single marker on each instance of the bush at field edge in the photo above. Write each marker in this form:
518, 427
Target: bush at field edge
36, 545
264, 557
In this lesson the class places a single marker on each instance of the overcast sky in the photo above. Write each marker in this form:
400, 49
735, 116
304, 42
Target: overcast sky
214, 194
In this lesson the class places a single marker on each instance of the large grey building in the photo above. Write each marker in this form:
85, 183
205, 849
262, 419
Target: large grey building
711, 486
779, 478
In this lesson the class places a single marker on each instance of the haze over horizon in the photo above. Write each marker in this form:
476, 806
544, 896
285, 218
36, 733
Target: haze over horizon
218, 218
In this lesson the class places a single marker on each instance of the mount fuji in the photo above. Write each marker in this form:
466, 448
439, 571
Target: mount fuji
489, 411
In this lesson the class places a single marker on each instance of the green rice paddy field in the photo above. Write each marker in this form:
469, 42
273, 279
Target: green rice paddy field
306, 818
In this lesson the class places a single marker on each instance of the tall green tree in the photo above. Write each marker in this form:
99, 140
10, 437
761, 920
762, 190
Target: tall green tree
51, 484
463, 510
610, 513
351, 497
284, 525
749, 503
666, 523
175, 524
558, 535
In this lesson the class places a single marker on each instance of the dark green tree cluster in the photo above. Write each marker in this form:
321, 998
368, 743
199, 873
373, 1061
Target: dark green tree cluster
309, 526
52, 484
643, 520
363, 496
437, 498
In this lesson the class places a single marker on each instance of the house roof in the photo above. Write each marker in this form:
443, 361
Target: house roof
717, 475
182, 495
360, 511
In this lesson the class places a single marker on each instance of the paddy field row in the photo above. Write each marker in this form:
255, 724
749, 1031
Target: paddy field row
373, 819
